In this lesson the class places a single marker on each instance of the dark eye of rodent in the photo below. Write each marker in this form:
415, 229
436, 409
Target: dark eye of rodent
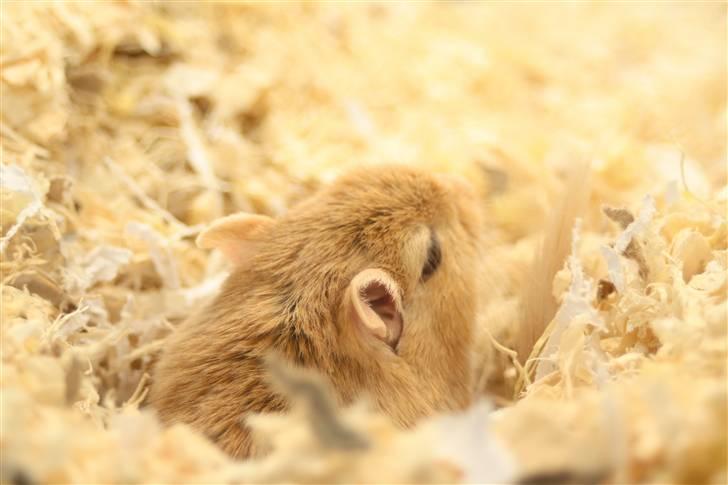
434, 257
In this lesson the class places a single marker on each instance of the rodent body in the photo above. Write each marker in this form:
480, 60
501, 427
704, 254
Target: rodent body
372, 282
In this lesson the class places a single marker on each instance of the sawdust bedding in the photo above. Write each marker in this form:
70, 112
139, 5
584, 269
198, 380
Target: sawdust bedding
127, 125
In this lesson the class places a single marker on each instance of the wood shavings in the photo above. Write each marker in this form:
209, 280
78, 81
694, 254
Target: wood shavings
343, 445
468, 442
621, 216
101, 264
127, 126
40, 284
159, 251
626, 244
576, 305
693, 250
604, 289
14, 180
541, 307
319, 406
138, 192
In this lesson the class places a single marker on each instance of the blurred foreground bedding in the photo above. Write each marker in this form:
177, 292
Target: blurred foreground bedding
127, 125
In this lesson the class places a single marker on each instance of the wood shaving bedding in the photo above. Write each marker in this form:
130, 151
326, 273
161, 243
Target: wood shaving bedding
127, 126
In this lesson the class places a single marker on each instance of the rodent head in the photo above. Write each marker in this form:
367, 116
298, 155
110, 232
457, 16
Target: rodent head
379, 270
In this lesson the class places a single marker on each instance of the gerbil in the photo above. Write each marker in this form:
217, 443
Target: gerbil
372, 282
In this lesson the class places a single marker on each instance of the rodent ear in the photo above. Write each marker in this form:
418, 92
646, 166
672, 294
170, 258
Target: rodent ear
235, 235
373, 303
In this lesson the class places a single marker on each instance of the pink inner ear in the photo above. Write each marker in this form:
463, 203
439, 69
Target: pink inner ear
378, 297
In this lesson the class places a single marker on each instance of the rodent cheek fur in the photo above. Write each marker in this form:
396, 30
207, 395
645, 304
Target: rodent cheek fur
441, 317
439, 313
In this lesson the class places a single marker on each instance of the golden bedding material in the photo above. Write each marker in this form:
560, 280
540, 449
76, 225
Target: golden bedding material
126, 126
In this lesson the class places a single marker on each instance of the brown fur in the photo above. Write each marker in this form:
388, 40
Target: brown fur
288, 296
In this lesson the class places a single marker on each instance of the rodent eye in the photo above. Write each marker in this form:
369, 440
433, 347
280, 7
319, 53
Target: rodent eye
434, 257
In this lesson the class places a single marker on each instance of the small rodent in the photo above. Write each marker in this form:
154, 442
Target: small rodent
372, 282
